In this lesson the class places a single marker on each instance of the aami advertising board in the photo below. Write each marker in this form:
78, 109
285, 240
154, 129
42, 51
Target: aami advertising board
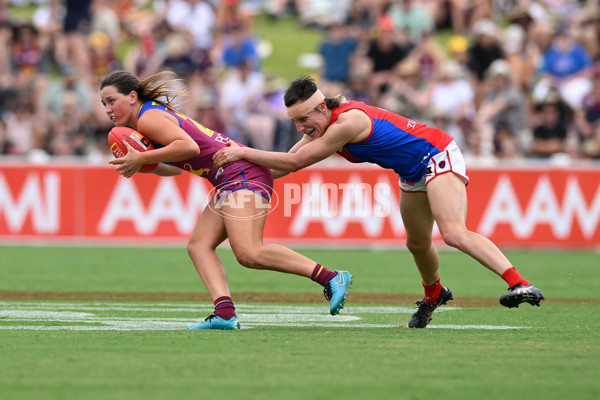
320, 206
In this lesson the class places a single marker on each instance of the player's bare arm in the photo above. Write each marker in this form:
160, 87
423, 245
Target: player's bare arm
161, 127
308, 154
166, 170
157, 126
280, 174
353, 127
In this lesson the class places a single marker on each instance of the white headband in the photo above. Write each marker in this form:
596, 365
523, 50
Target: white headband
300, 109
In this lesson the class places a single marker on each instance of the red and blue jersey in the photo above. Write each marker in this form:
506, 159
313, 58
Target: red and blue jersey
395, 142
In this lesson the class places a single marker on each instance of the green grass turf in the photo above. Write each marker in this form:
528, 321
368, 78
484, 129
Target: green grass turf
556, 358
555, 355
565, 274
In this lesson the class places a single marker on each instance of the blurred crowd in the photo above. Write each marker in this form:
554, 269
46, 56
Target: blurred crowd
509, 79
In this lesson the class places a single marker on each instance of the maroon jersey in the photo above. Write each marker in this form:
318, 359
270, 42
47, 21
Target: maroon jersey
236, 175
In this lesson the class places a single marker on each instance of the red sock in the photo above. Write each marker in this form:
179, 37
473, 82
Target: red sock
432, 292
224, 307
513, 278
322, 275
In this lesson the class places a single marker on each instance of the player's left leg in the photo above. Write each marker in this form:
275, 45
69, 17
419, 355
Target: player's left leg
448, 201
244, 213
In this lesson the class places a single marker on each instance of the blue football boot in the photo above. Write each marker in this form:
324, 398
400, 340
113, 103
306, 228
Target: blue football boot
337, 290
214, 322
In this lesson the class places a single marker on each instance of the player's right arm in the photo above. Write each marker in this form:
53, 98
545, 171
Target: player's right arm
295, 148
166, 170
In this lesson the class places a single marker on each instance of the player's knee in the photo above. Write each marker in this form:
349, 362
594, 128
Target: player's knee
198, 248
418, 246
454, 238
192, 249
248, 258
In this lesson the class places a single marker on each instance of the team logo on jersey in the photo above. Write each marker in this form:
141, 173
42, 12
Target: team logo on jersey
428, 171
200, 172
442, 164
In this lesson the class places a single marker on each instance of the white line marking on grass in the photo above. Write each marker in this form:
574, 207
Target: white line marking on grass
485, 327
109, 316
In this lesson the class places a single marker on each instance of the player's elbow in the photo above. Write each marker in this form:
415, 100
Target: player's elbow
192, 150
294, 167
296, 164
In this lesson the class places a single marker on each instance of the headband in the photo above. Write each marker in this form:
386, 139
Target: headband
300, 109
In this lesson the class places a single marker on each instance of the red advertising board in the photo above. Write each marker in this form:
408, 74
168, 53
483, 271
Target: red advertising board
541, 207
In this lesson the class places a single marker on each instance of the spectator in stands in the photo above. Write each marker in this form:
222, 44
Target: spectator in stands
197, 20
67, 109
522, 56
588, 31
412, 16
105, 18
550, 127
360, 18
429, 54
502, 114
103, 54
25, 130
408, 91
462, 15
457, 47
148, 57
29, 64
485, 48
270, 104
452, 93
239, 90
385, 53
321, 13
587, 118
71, 46
566, 68
358, 88
204, 98
177, 56
69, 88
241, 47
337, 51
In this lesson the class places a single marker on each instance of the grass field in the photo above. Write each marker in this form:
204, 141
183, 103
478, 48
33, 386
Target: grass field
109, 323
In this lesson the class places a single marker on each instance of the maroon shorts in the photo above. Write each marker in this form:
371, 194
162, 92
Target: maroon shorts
244, 175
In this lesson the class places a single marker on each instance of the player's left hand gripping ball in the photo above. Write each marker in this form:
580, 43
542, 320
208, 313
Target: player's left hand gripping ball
121, 134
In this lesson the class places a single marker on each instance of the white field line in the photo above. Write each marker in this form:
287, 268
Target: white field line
51, 316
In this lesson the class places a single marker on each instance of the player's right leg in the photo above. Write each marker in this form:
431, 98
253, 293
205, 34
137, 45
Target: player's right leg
208, 233
418, 222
